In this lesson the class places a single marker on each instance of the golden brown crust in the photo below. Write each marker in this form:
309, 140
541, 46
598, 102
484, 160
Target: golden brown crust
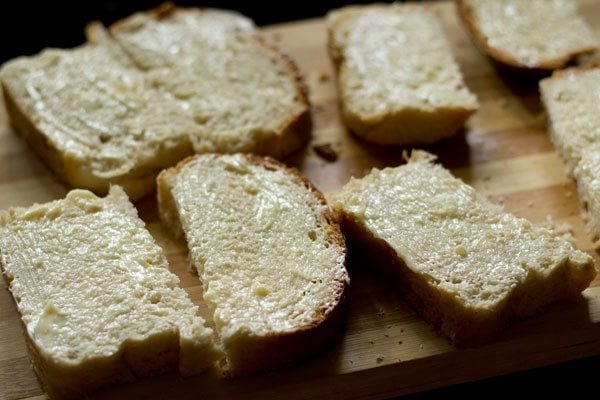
466, 15
262, 353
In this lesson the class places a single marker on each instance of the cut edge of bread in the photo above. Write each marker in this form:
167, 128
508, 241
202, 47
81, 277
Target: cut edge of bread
465, 326
507, 59
253, 353
406, 126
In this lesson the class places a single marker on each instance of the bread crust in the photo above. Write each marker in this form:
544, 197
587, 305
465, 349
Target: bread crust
258, 353
402, 127
466, 15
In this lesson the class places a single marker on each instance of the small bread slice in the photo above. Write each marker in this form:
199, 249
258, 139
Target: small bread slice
465, 265
97, 301
532, 34
270, 256
163, 85
571, 101
398, 82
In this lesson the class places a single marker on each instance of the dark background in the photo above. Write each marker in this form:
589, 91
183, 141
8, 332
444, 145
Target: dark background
27, 27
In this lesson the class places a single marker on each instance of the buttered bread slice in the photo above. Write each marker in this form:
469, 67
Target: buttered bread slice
571, 101
97, 300
157, 88
269, 255
465, 265
531, 34
398, 82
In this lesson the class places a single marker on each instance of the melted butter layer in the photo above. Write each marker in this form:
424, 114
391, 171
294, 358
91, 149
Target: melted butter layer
259, 242
448, 235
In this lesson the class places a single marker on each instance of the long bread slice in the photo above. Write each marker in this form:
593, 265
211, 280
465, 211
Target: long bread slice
465, 265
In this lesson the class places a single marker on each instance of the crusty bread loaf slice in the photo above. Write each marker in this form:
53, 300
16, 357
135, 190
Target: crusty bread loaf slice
571, 101
97, 300
270, 256
163, 85
398, 82
465, 265
532, 34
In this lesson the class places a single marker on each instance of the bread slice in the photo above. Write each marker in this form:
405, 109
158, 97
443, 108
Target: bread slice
588, 186
571, 100
532, 34
269, 255
97, 300
398, 82
465, 265
158, 87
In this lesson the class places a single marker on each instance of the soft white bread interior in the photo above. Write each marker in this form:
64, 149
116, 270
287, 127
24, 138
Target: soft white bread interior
270, 256
158, 87
97, 301
398, 82
530, 34
572, 103
465, 265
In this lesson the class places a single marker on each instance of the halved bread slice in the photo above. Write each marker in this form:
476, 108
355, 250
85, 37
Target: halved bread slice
270, 256
97, 300
532, 34
571, 101
465, 265
163, 85
398, 82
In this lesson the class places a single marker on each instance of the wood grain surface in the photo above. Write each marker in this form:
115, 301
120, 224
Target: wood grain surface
387, 349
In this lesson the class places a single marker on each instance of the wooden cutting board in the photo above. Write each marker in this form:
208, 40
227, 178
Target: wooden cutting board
386, 350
